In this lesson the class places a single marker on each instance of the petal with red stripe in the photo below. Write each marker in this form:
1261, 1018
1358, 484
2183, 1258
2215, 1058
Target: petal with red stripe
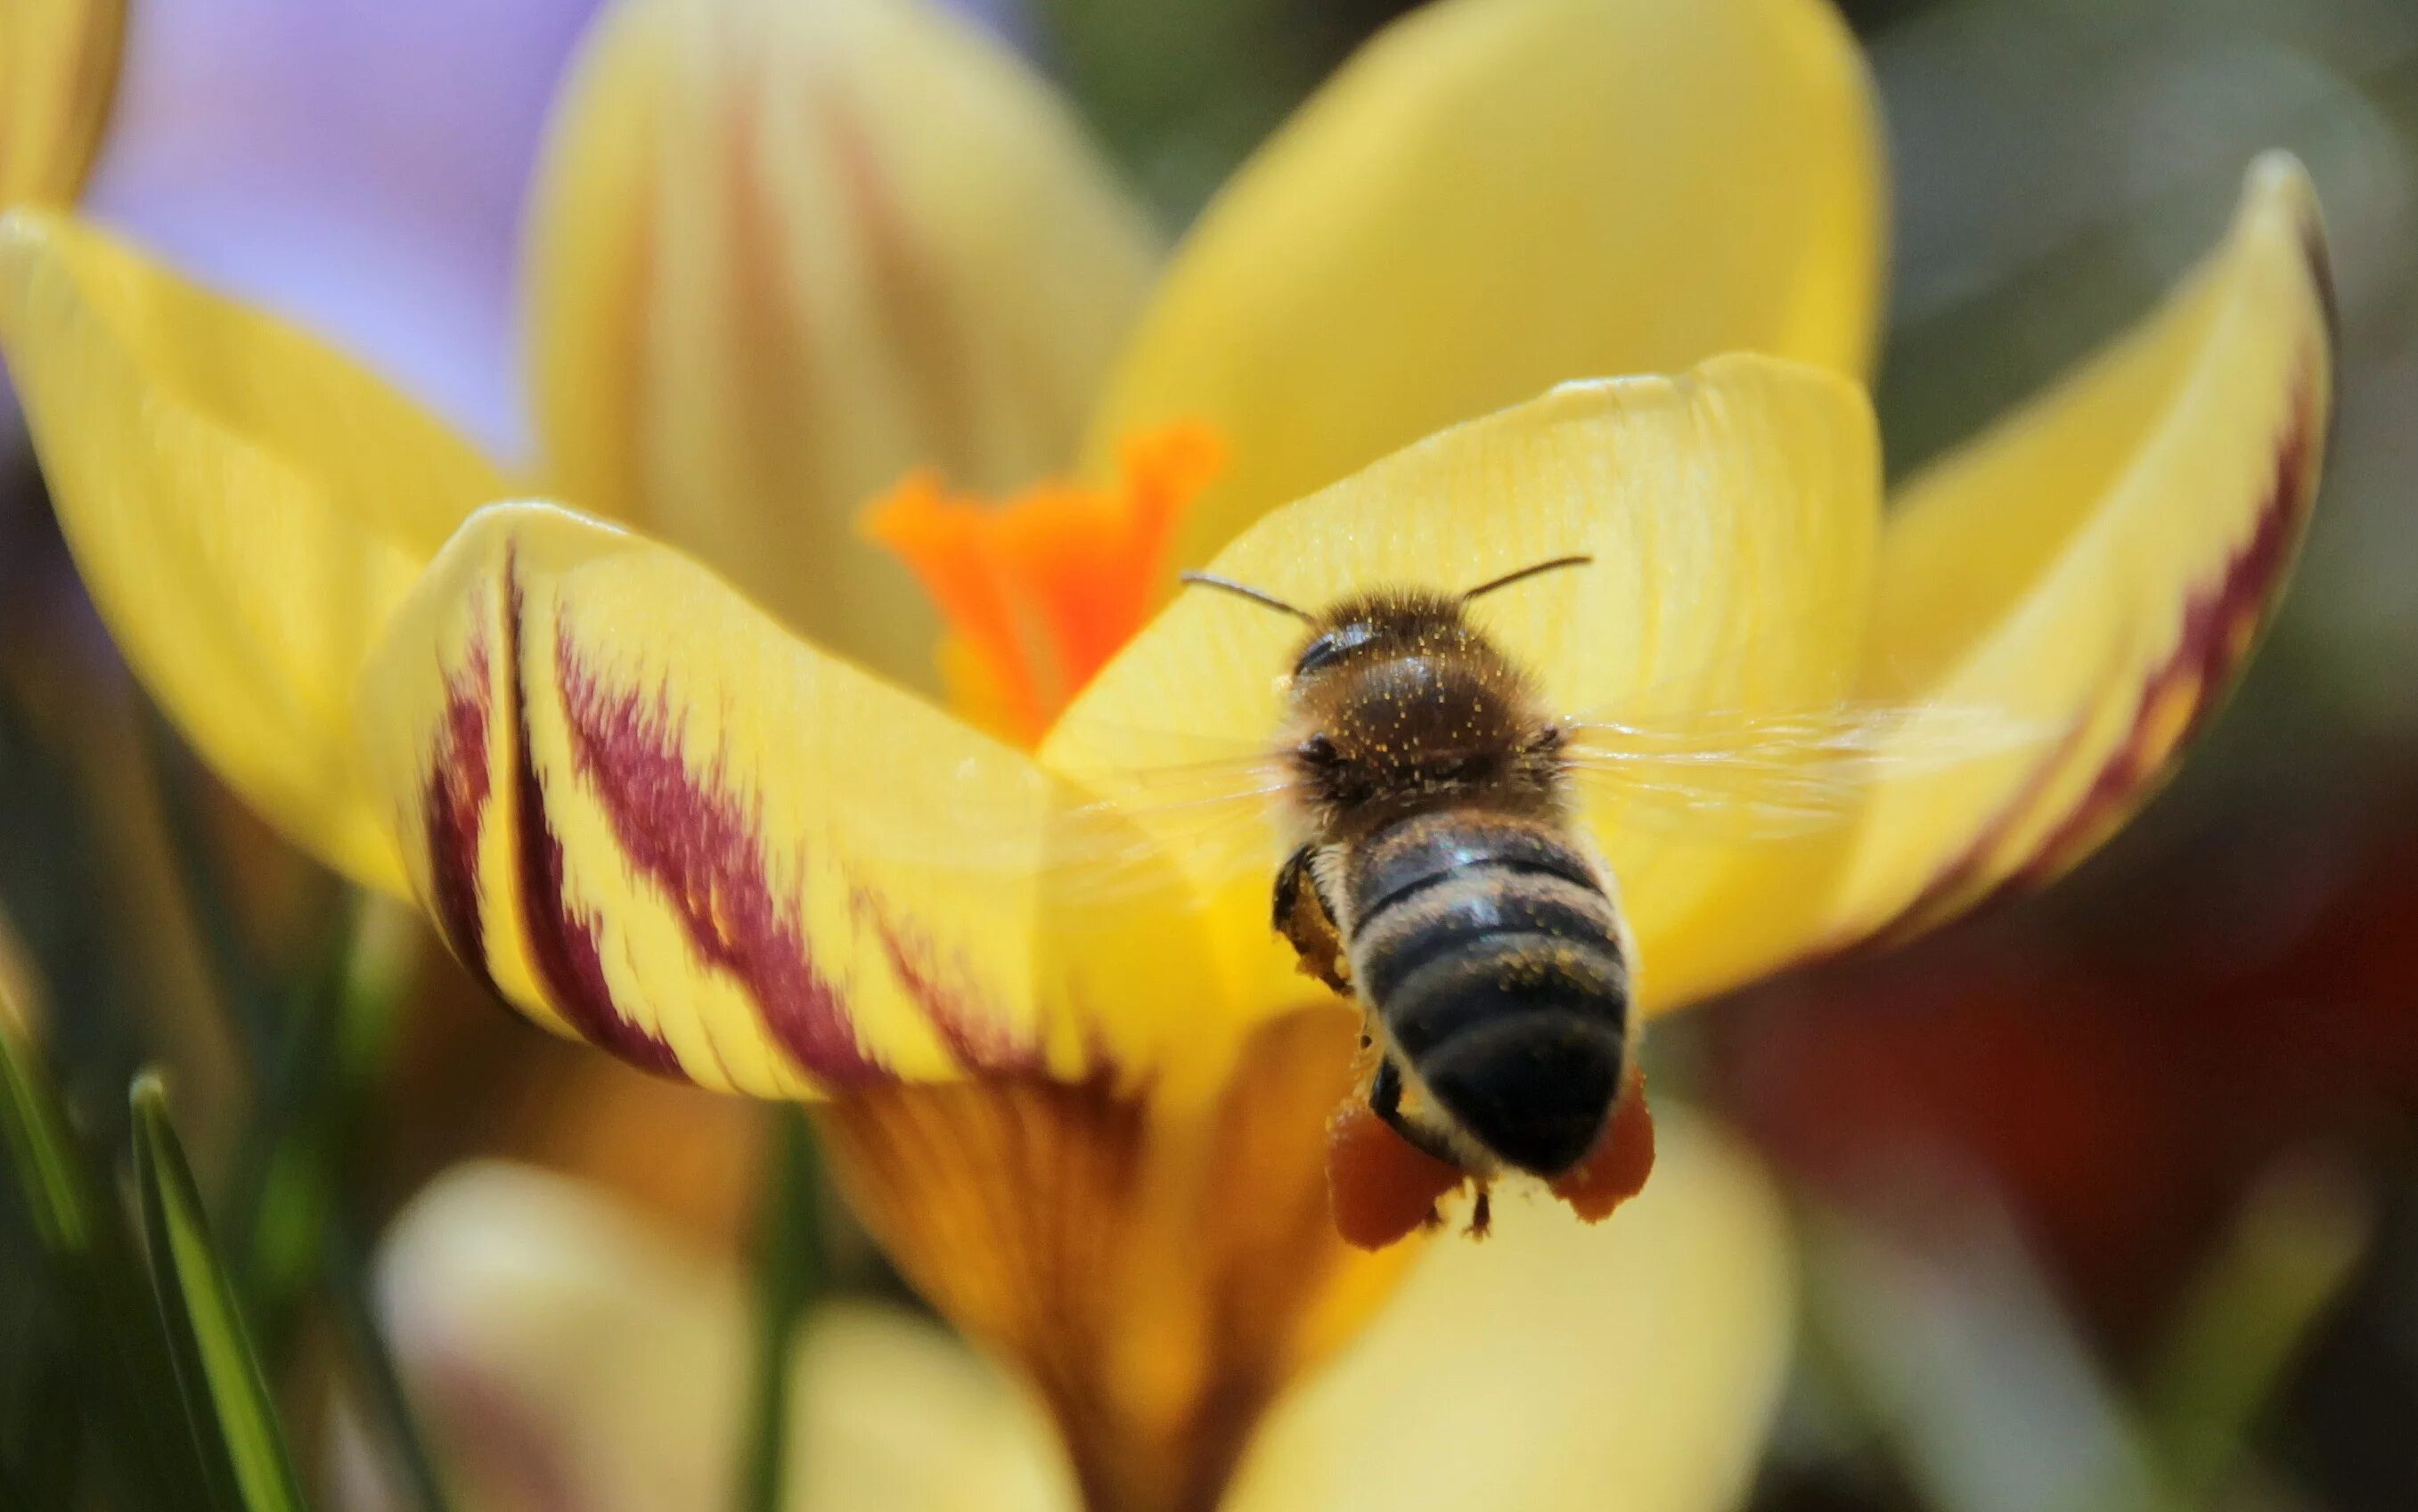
655, 820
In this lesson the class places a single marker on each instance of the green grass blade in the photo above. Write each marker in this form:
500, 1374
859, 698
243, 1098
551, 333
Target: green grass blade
121, 1368
59, 1190
2296, 1243
226, 1399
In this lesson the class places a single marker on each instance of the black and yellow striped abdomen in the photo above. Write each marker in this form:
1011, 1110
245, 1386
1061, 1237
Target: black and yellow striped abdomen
1491, 953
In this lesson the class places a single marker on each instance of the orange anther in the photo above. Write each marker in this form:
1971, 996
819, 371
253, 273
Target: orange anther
1039, 592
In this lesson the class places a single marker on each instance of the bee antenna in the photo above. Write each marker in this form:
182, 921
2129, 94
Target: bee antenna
1245, 590
1528, 572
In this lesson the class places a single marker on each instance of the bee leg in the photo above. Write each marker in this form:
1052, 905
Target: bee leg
1307, 923
1380, 1186
1386, 1096
1385, 1100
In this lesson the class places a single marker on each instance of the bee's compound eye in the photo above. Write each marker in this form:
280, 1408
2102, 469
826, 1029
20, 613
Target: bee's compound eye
1330, 648
1318, 654
1317, 751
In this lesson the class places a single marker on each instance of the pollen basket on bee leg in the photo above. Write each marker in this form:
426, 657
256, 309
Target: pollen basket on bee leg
1382, 1187
1616, 1171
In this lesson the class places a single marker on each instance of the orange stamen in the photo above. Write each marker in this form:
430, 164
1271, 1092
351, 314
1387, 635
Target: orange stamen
1038, 593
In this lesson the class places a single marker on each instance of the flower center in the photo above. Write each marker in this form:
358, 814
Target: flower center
1039, 592
1161, 1273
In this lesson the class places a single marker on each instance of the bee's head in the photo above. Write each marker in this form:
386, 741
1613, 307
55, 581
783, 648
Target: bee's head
1397, 699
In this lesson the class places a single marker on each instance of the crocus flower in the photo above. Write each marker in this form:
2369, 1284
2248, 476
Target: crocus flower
785, 254
567, 1353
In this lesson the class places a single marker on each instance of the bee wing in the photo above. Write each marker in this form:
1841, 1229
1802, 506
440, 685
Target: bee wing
1773, 775
1199, 822
1212, 819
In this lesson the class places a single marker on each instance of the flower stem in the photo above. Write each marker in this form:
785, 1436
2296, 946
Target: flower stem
790, 1269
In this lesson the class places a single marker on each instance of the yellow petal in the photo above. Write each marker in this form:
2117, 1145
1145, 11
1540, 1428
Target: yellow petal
651, 818
1731, 515
554, 1336
1498, 195
245, 505
58, 70
2101, 564
1560, 1366
783, 255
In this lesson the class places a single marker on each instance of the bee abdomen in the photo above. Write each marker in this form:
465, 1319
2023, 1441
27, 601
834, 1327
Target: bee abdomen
1491, 953
1431, 887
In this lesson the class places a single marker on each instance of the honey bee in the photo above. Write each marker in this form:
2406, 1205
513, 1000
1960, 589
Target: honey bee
1435, 861
1440, 875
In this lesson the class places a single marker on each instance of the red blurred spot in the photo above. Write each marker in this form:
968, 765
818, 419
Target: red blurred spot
2118, 1073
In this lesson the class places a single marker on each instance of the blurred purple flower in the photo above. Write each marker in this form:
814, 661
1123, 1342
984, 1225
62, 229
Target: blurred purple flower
359, 166
356, 165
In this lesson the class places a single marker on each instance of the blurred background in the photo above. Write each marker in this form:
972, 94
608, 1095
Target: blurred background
2111, 1199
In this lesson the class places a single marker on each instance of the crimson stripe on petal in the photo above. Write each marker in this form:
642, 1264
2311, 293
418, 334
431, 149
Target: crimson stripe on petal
454, 802
562, 945
966, 1019
704, 849
2220, 626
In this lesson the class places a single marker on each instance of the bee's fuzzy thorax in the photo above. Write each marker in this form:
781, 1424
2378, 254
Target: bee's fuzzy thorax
1399, 703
